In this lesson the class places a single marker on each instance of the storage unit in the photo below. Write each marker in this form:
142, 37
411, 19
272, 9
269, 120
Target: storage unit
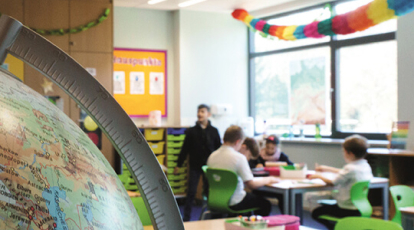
166, 143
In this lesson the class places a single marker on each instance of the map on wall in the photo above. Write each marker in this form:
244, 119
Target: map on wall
308, 91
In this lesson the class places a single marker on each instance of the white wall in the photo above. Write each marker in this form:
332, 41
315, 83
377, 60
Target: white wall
207, 59
405, 45
148, 29
213, 65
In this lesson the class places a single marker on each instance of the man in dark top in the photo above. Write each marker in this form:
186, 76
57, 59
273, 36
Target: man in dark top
200, 141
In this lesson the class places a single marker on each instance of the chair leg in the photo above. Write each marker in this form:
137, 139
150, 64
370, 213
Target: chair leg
203, 215
203, 209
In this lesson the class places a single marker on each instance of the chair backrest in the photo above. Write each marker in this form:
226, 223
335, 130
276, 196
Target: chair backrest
361, 223
222, 184
204, 168
142, 211
359, 197
403, 196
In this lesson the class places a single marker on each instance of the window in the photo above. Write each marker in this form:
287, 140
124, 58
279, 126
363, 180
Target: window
347, 83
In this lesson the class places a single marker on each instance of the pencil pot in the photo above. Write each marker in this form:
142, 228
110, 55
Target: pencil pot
294, 171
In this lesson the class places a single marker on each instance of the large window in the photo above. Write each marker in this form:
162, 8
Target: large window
347, 84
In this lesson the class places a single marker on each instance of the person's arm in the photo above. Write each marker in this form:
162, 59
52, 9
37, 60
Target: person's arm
260, 182
260, 162
185, 149
285, 158
319, 176
217, 140
324, 168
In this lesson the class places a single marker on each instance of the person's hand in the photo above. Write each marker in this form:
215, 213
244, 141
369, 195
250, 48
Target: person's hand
176, 170
259, 166
273, 180
321, 168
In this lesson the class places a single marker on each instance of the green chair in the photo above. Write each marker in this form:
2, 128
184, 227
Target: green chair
222, 184
403, 196
359, 197
361, 223
142, 211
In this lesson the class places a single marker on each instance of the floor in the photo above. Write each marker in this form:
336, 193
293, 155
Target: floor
307, 219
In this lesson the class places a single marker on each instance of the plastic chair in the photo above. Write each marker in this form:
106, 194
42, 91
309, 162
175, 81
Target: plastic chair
359, 197
361, 223
403, 196
204, 207
142, 211
222, 184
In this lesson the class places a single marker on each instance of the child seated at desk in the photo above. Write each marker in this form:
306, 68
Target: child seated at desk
354, 151
250, 149
228, 157
272, 152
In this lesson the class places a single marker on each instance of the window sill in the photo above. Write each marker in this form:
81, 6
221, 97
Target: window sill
329, 141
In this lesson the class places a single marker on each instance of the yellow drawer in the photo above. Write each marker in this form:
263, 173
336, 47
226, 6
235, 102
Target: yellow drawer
161, 158
154, 134
157, 147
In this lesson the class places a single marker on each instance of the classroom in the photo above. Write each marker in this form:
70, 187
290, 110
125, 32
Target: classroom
285, 103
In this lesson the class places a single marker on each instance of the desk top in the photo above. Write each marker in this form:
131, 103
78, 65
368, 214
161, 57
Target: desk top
390, 152
217, 224
315, 183
407, 210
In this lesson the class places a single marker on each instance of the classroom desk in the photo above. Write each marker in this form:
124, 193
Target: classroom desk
217, 224
292, 191
407, 218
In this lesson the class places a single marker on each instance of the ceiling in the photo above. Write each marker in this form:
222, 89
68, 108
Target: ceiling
213, 5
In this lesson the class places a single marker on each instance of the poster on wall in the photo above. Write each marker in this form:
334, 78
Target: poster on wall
140, 81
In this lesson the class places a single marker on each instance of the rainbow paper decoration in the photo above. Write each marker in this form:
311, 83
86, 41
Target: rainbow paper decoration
360, 19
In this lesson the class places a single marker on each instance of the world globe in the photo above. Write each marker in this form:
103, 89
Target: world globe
51, 174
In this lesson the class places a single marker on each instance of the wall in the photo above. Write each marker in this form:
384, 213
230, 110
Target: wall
213, 65
149, 29
207, 59
90, 48
405, 43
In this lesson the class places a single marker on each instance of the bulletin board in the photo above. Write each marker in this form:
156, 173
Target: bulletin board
140, 81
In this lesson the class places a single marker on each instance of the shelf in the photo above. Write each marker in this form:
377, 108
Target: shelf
390, 152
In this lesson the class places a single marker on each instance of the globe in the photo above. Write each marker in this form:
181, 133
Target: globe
51, 174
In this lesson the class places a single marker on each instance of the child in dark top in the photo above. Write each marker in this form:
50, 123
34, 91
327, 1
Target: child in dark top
250, 149
271, 152
200, 141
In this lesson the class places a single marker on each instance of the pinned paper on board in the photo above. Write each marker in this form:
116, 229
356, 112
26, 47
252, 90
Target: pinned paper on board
156, 83
142, 80
119, 82
137, 82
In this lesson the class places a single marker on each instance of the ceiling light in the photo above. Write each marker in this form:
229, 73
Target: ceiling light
152, 2
190, 2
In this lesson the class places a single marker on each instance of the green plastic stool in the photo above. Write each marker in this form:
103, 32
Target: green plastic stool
359, 197
361, 223
403, 196
222, 184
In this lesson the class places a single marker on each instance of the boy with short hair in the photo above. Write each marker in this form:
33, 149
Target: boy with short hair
354, 151
228, 157
200, 141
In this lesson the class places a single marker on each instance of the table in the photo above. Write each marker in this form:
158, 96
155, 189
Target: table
292, 191
407, 218
217, 224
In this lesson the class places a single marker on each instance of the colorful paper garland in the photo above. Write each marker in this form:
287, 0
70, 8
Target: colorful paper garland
364, 17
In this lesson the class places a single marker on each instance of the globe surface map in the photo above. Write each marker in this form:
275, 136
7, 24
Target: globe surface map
51, 174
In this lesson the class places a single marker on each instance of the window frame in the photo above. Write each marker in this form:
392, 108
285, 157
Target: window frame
334, 46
